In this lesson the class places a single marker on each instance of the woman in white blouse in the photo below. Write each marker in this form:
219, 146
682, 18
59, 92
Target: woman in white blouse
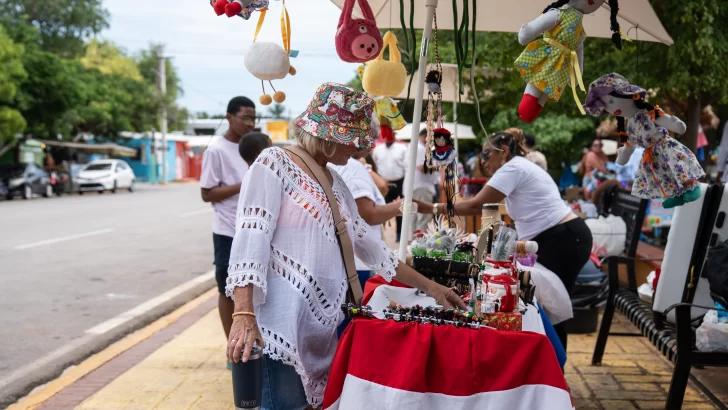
533, 201
286, 273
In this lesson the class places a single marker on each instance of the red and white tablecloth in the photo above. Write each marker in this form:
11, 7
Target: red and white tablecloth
383, 364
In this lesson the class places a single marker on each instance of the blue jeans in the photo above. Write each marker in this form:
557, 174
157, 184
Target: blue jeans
364, 276
282, 387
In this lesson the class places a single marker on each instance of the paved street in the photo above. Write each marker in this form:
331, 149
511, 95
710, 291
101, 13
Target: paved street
69, 264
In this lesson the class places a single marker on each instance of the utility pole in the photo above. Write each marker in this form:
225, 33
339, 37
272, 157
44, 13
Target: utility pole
163, 125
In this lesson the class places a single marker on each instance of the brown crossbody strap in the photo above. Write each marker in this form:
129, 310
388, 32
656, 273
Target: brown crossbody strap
345, 245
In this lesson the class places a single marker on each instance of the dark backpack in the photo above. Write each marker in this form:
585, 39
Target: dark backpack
716, 271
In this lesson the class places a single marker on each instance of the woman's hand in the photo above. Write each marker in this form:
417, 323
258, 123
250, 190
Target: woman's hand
423, 207
397, 203
445, 296
243, 334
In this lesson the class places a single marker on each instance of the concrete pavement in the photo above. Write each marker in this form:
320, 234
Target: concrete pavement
181, 366
78, 272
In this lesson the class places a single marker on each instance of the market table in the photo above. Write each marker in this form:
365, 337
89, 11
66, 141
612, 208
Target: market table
383, 364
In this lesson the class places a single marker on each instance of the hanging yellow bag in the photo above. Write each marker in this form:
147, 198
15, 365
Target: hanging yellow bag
385, 77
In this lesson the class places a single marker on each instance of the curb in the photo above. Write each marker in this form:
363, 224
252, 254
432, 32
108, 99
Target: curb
84, 349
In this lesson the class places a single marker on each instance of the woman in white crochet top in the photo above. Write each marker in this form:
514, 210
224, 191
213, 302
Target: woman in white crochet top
285, 262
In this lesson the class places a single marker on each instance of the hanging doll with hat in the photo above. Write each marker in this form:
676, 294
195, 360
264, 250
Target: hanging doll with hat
550, 63
668, 168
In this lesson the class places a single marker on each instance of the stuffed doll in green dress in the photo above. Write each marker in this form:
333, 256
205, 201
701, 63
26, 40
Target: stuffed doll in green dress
550, 63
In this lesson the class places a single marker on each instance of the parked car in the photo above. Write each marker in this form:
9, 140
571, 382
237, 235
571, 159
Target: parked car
105, 175
25, 180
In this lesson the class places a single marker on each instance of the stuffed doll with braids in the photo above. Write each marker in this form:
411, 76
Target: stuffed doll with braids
668, 168
550, 63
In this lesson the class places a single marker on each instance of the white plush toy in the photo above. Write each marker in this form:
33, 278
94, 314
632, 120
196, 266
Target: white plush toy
550, 63
269, 61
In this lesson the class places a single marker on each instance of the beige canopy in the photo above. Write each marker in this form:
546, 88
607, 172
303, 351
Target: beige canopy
636, 17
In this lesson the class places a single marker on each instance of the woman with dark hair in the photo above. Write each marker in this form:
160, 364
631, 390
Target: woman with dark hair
533, 201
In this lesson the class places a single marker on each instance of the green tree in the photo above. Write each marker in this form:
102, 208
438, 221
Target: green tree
277, 111
148, 62
109, 59
12, 74
64, 25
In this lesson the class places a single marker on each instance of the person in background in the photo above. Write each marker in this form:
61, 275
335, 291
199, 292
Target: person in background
381, 183
722, 161
534, 202
223, 169
252, 144
425, 183
594, 167
391, 161
534, 156
370, 203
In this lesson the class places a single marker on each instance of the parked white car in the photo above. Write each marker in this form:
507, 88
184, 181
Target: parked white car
105, 175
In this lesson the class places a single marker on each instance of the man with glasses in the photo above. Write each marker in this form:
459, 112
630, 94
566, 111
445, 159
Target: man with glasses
222, 173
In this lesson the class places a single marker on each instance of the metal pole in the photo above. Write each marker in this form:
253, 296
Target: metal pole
409, 180
163, 93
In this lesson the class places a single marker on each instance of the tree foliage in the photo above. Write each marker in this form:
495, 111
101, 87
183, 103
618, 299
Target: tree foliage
108, 59
63, 25
12, 74
102, 92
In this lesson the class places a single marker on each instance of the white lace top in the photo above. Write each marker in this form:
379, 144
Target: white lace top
285, 245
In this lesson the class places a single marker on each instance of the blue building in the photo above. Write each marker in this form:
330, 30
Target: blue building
148, 167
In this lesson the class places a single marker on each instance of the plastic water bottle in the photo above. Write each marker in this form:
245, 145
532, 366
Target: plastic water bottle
248, 381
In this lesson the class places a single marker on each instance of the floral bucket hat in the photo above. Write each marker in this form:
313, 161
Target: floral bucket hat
339, 114
605, 85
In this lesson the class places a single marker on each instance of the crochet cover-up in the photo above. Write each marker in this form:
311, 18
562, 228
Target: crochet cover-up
285, 245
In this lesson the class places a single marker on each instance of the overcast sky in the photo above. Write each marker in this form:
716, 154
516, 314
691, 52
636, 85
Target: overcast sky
208, 50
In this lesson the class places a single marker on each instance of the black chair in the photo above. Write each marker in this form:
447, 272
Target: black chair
677, 342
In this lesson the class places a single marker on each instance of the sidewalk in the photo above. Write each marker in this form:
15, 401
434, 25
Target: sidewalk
179, 363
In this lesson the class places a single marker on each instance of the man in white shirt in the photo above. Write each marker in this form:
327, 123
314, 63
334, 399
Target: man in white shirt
425, 183
391, 161
223, 169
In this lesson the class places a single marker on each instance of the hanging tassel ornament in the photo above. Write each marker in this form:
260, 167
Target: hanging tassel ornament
433, 81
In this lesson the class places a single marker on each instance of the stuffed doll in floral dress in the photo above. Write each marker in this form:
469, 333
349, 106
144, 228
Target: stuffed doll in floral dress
668, 168
549, 63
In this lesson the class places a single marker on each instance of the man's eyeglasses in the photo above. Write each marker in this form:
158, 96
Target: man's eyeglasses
246, 118
597, 145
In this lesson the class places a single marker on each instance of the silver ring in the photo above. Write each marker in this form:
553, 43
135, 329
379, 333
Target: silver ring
235, 340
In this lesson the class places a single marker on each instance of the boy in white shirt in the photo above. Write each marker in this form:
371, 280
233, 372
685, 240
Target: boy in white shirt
223, 169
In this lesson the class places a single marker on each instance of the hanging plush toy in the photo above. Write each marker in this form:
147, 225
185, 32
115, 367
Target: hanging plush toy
269, 61
668, 169
383, 79
550, 63
357, 40
242, 8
